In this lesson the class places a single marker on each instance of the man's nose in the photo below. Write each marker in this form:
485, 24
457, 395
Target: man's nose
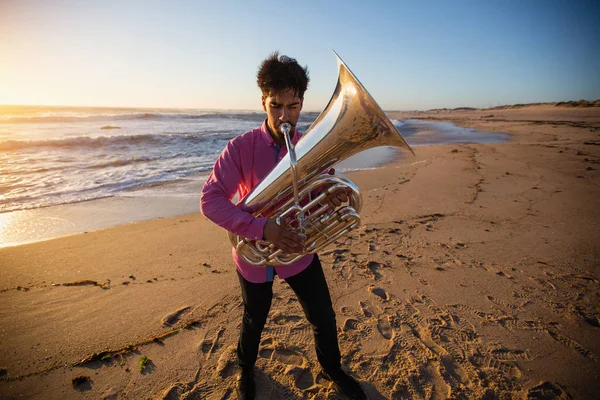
284, 115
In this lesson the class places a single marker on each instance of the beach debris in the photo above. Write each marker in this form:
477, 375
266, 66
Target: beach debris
207, 265
3, 371
110, 127
84, 282
82, 383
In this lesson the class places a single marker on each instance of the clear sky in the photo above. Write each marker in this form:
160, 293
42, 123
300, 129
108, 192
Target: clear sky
204, 54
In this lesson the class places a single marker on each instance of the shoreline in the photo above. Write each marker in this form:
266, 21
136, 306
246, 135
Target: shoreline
170, 200
476, 273
26, 226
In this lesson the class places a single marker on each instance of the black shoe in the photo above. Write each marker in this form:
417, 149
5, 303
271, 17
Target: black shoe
245, 387
346, 384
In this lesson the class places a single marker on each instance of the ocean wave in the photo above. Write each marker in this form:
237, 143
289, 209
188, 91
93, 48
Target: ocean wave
106, 141
120, 162
35, 119
36, 198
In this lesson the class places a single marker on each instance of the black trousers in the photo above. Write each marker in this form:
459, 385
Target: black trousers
311, 289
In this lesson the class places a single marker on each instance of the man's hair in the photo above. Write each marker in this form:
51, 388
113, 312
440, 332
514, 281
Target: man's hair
277, 73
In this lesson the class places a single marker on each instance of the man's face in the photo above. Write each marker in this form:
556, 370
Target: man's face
284, 106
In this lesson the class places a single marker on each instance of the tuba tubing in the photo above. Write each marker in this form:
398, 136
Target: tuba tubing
350, 123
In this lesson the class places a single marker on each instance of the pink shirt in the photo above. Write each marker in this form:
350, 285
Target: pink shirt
243, 164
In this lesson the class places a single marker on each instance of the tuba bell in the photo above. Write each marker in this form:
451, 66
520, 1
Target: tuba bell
294, 192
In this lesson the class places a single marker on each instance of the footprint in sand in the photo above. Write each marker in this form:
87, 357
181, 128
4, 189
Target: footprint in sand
571, 343
500, 302
350, 324
549, 390
374, 267
367, 308
226, 366
173, 317
281, 319
507, 368
302, 377
379, 292
288, 357
265, 352
175, 391
384, 327
210, 346
504, 354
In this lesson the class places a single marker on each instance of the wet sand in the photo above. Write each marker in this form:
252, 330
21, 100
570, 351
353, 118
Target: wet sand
475, 275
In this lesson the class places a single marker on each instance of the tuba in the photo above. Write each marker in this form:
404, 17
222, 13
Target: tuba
294, 192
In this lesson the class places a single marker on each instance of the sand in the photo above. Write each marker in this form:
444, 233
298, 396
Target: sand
475, 275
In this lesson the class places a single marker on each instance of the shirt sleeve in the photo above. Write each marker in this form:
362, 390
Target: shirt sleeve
218, 191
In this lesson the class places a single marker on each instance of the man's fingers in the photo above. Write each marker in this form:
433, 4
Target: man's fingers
290, 242
291, 247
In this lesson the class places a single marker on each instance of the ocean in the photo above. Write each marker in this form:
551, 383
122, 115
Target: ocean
51, 156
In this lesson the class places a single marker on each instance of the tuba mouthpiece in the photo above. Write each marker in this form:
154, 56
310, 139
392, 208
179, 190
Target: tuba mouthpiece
285, 128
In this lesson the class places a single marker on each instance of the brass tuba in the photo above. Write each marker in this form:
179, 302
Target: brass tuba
351, 122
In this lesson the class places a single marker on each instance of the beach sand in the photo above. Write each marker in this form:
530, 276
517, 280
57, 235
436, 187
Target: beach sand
475, 275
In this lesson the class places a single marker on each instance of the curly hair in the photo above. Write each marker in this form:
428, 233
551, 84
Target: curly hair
277, 73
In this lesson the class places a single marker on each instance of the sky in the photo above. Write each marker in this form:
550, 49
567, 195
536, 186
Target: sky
409, 55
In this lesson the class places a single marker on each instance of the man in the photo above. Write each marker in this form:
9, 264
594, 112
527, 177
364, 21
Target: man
246, 160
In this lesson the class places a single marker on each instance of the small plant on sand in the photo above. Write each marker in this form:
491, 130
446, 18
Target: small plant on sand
143, 363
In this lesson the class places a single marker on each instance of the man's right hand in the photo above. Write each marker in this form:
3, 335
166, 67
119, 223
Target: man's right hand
288, 241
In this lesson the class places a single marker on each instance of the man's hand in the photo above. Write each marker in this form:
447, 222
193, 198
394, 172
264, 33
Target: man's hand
338, 197
288, 241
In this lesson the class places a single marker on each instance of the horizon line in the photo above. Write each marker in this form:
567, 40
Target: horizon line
595, 101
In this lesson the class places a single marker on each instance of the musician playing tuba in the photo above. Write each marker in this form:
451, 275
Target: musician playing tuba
243, 164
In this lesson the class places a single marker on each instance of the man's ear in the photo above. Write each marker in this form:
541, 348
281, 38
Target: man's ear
263, 102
